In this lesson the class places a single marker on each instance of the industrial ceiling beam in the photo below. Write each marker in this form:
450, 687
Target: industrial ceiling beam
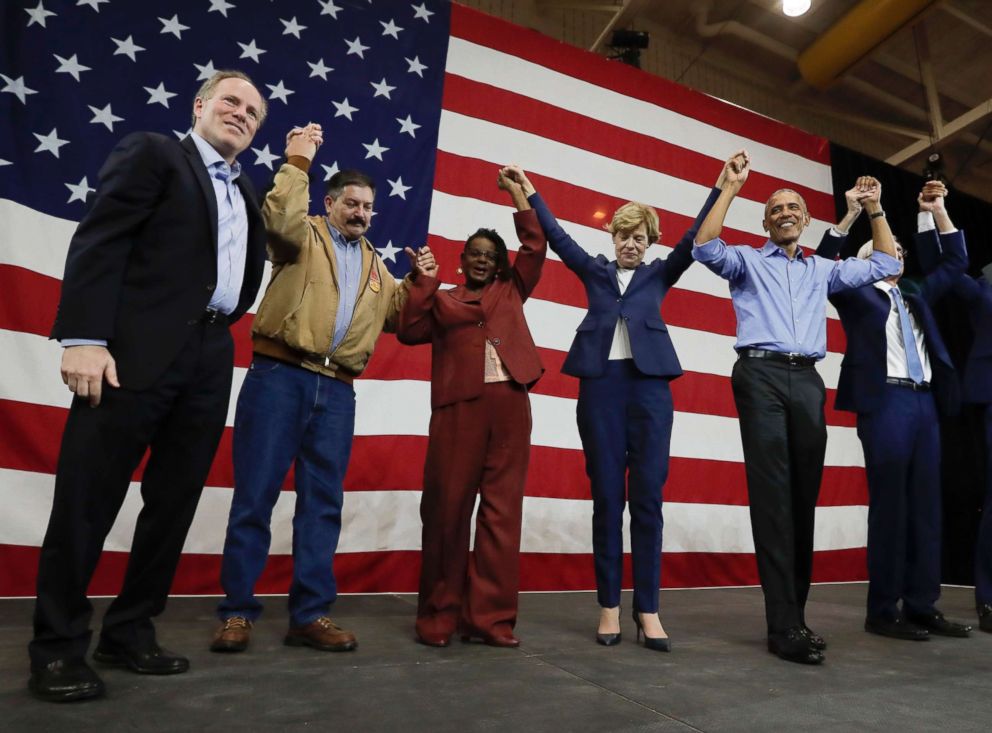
950, 129
855, 36
928, 79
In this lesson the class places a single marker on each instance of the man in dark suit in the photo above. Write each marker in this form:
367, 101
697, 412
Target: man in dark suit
170, 253
895, 375
976, 388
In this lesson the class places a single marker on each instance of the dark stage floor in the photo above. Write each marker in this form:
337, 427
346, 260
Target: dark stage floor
719, 677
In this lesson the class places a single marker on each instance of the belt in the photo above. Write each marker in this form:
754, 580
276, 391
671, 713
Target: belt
791, 359
210, 316
915, 386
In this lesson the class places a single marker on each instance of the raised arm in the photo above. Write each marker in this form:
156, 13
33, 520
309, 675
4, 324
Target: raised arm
735, 172
285, 208
529, 261
575, 258
681, 257
881, 234
835, 237
953, 260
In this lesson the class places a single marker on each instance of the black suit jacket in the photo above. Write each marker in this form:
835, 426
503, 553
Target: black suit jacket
863, 313
142, 264
976, 382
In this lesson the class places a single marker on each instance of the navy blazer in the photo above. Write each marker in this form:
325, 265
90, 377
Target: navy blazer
142, 264
864, 312
976, 382
639, 306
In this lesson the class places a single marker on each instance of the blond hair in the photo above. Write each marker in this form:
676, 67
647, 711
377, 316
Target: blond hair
206, 90
631, 215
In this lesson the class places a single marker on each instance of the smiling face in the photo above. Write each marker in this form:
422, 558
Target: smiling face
479, 262
785, 217
229, 117
630, 246
351, 212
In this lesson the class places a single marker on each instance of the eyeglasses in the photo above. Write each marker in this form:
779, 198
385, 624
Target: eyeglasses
478, 254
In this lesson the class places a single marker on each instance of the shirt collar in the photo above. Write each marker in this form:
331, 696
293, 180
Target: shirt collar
770, 249
214, 161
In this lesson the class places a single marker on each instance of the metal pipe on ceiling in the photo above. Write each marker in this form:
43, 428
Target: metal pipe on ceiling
859, 32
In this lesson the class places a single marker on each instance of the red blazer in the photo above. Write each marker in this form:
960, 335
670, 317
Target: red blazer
457, 323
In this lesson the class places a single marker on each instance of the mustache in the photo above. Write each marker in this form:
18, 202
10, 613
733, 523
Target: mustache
356, 220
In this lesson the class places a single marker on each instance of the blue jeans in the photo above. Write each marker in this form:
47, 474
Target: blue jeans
286, 413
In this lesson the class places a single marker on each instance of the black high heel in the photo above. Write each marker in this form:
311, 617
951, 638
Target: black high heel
655, 643
610, 639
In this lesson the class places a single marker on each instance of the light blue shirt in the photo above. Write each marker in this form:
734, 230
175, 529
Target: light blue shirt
232, 234
232, 227
781, 304
348, 255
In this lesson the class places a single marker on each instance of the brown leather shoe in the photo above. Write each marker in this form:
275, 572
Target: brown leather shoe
232, 636
323, 634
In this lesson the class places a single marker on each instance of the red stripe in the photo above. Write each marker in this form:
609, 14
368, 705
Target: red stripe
398, 571
554, 472
484, 30
517, 112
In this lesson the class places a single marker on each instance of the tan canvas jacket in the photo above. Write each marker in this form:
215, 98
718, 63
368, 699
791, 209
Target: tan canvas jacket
295, 321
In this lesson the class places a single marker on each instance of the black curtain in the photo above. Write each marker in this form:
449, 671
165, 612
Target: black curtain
963, 444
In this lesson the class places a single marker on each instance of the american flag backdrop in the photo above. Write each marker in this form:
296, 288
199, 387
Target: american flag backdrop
430, 98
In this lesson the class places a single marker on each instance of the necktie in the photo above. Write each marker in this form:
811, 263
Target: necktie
913, 362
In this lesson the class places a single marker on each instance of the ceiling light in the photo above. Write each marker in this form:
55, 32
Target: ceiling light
794, 8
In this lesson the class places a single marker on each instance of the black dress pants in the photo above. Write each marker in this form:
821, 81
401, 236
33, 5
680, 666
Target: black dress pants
180, 419
784, 436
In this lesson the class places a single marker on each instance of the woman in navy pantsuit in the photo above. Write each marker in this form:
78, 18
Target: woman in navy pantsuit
624, 358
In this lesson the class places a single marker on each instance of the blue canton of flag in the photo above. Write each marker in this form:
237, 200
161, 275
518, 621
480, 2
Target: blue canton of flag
78, 75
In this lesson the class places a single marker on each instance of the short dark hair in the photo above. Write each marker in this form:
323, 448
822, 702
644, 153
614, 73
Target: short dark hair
502, 257
348, 177
206, 90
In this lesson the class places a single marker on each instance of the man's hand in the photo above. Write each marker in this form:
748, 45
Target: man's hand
422, 261
737, 162
853, 198
84, 369
304, 141
516, 174
932, 196
735, 171
869, 191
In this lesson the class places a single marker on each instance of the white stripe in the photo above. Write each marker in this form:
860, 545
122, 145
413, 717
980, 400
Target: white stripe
402, 407
33, 240
529, 79
375, 521
499, 145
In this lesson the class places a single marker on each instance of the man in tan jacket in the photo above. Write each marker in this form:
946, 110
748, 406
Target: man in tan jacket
329, 298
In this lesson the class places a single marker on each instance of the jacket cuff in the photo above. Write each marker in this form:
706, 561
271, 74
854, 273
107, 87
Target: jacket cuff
300, 161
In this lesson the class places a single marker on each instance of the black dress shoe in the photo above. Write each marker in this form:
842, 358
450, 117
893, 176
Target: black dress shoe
654, 643
985, 617
897, 628
609, 639
793, 646
65, 680
146, 659
815, 640
935, 623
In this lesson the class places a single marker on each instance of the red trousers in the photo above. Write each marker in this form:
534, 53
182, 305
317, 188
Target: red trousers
478, 447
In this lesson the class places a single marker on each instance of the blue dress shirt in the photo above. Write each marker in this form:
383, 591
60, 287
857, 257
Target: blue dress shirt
232, 227
348, 255
781, 304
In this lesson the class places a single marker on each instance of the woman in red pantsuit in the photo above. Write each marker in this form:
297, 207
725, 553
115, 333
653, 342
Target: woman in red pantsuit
483, 362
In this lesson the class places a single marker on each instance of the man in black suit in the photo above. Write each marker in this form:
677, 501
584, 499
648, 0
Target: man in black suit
896, 375
170, 253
